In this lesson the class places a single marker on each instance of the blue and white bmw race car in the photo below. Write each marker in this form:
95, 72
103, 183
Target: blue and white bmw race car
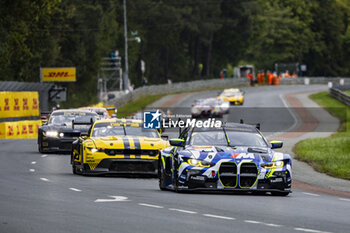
234, 157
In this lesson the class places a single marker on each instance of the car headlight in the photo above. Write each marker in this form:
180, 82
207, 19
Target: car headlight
199, 163
93, 150
51, 134
273, 165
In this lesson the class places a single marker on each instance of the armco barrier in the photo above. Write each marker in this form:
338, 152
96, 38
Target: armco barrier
19, 129
339, 95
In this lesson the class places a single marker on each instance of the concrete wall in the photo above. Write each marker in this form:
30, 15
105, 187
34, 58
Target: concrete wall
123, 98
177, 87
313, 80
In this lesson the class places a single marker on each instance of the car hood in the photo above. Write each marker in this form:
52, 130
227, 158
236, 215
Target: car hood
129, 142
216, 153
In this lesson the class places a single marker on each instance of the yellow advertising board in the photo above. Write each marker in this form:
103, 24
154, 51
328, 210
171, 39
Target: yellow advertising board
19, 104
19, 129
58, 74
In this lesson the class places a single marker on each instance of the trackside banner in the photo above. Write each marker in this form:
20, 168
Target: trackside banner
19, 129
58, 74
19, 104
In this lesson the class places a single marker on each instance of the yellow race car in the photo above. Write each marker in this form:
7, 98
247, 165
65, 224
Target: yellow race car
232, 95
120, 146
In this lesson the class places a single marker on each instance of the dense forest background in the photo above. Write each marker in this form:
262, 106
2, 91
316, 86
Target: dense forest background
180, 39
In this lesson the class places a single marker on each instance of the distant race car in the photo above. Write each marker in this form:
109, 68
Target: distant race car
235, 157
119, 146
101, 111
210, 107
232, 95
62, 128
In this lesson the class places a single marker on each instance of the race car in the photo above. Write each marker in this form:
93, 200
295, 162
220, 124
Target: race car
235, 157
232, 95
104, 113
210, 107
62, 128
117, 146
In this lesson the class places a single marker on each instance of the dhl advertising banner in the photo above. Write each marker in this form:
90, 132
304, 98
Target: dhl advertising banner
19, 104
19, 129
58, 74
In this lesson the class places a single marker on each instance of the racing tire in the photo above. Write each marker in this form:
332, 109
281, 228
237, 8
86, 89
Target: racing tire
40, 149
74, 170
160, 176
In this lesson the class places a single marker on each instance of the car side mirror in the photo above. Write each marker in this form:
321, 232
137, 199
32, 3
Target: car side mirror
177, 142
276, 144
165, 137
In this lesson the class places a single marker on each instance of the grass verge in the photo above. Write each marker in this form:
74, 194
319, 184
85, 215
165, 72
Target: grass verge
137, 105
142, 102
330, 155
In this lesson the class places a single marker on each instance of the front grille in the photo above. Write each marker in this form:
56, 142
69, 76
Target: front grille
131, 166
248, 175
131, 152
71, 134
228, 174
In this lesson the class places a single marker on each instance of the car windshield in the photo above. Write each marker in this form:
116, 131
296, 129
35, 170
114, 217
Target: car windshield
66, 120
231, 93
106, 129
218, 138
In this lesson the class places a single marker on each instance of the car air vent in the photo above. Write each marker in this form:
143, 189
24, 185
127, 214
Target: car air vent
256, 150
248, 175
228, 174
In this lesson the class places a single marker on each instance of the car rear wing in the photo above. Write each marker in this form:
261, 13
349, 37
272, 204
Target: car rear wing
112, 111
91, 122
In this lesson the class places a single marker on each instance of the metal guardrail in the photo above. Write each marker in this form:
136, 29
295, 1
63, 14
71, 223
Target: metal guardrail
336, 93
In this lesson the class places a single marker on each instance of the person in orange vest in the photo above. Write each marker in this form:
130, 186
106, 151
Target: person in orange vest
263, 77
269, 77
221, 75
250, 76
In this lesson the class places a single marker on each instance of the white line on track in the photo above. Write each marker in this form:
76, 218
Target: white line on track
74, 189
251, 221
295, 119
344, 199
33, 162
309, 230
113, 199
43, 156
311, 194
272, 225
32, 170
183, 211
44, 179
218, 216
152, 206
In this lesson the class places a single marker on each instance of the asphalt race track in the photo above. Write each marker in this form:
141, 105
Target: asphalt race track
39, 193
